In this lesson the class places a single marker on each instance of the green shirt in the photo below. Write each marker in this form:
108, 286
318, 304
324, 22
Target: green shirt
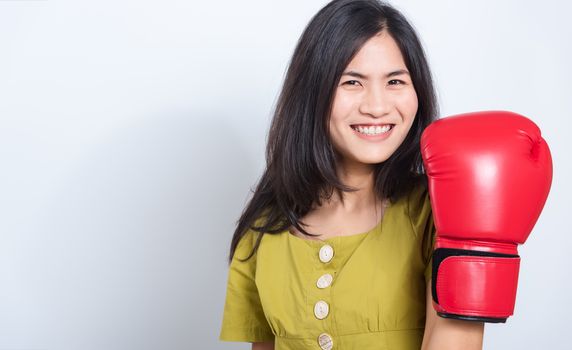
375, 300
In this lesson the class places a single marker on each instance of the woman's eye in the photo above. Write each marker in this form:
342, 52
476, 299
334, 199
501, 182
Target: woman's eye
350, 82
395, 80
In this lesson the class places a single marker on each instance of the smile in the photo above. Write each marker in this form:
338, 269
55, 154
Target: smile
373, 133
373, 130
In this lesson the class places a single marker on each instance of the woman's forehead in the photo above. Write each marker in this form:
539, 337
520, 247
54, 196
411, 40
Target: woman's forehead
379, 56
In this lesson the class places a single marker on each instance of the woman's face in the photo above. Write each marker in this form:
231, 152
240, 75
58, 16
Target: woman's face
375, 92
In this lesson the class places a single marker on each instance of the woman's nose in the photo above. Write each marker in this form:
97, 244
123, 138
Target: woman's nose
375, 103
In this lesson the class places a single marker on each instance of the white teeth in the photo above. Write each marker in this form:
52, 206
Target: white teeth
373, 130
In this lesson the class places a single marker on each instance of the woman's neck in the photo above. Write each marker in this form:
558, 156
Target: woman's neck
360, 177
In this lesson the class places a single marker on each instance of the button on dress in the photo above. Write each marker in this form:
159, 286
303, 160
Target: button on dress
362, 291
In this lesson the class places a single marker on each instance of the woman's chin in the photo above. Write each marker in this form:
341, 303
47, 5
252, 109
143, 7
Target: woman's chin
372, 160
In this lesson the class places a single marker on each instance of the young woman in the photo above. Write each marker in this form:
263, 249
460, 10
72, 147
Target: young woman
333, 251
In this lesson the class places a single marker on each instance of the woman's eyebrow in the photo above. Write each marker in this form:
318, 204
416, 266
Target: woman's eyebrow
365, 77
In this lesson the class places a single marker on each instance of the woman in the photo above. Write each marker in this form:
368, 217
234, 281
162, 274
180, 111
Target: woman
333, 251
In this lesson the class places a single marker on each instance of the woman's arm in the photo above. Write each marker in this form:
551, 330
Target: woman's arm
449, 334
269, 345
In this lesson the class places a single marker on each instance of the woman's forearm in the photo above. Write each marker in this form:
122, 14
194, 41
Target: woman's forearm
448, 334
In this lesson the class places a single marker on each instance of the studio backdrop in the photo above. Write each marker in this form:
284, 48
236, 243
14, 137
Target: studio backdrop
132, 134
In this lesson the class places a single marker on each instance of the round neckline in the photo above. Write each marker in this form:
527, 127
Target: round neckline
343, 237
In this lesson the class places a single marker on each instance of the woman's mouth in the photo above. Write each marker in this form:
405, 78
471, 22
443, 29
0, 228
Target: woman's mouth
373, 132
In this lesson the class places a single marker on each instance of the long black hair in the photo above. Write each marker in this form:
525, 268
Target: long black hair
300, 158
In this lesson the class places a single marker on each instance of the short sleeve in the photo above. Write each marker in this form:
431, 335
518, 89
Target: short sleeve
243, 317
421, 215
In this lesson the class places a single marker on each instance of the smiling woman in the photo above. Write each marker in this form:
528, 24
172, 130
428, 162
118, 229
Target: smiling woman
333, 251
376, 105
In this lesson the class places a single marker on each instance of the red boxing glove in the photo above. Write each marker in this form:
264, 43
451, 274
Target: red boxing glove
489, 176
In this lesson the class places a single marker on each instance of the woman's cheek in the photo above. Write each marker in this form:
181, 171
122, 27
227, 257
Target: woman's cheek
343, 103
408, 103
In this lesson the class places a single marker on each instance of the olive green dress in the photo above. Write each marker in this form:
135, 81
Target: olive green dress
362, 291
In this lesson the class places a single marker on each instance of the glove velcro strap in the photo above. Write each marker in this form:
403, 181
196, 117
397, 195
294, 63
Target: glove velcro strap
476, 285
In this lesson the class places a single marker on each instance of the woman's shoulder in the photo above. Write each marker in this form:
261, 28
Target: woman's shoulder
249, 241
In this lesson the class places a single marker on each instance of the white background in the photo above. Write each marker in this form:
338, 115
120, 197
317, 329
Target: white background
131, 133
